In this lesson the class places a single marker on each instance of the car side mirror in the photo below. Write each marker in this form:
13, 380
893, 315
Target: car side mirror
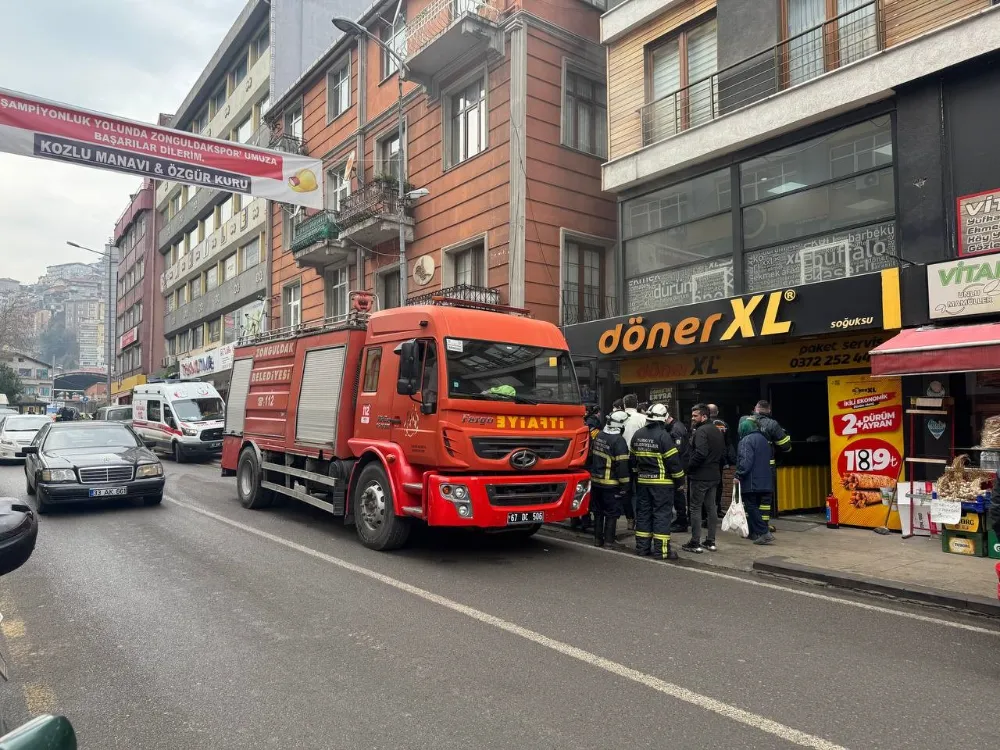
45, 731
409, 368
33, 450
18, 530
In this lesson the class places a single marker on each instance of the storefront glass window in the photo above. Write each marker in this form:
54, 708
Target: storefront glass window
677, 204
681, 286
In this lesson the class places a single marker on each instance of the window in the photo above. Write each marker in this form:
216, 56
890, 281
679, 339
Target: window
373, 363
336, 292
218, 101
175, 204
214, 330
182, 295
184, 342
585, 296
238, 73
815, 43
585, 114
229, 268
468, 266
192, 240
199, 123
394, 38
195, 288
211, 278
197, 337
250, 254
24, 372
388, 155
226, 209
291, 304
467, 122
338, 187
153, 411
682, 91
244, 131
338, 90
261, 43
390, 289
41, 373
293, 121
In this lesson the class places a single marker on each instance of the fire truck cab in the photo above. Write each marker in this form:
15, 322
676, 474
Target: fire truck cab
447, 414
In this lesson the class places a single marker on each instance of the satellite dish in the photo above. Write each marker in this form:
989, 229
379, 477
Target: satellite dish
423, 270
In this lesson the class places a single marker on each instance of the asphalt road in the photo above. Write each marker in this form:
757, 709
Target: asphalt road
199, 624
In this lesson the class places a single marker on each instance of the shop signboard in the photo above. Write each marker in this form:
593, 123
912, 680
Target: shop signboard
866, 446
30, 126
963, 288
128, 337
815, 355
680, 286
841, 306
979, 223
215, 360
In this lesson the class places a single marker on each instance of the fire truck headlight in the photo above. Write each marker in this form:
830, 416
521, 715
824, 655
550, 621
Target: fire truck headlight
458, 494
582, 490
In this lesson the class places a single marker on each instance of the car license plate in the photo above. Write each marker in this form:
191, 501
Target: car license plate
216, 445
535, 516
109, 492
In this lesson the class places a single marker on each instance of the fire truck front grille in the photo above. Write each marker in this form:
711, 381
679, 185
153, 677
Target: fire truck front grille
496, 448
509, 495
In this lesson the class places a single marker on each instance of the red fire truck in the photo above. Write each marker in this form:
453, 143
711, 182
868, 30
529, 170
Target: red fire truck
451, 414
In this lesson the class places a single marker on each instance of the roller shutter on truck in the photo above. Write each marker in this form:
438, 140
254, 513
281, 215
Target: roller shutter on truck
319, 396
239, 388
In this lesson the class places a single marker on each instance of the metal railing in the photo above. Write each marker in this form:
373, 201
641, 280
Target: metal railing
581, 306
376, 198
479, 295
276, 138
853, 35
438, 17
320, 226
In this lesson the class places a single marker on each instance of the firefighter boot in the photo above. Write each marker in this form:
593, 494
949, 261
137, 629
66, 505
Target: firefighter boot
598, 529
643, 542
671, 552
610, 528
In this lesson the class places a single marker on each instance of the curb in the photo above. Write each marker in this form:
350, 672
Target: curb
923, 594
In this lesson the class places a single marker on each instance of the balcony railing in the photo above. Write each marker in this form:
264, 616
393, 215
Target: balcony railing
313, 229
440, 15
479, 295
584, 306
378, 198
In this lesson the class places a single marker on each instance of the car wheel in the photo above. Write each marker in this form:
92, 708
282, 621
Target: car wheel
378, 526
153, 499
248, 479
179, 456
28, 486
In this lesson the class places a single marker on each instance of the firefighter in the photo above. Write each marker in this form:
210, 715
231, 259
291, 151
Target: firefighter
593, 422
656, 461
780, 441
609, 477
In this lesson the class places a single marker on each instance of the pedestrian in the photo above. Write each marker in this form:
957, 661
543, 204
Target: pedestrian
635, 422
779, 440
656, 461
593, 421
753, 471
679, 434
609, 477
643, 407
730, 458
704, 472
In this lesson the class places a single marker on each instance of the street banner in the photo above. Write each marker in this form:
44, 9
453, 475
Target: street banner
866, 447
48, 130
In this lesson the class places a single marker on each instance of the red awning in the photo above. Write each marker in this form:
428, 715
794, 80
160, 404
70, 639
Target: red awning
924, 351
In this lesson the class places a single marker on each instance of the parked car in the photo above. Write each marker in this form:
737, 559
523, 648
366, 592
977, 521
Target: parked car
121, 413
74, 462
17, 431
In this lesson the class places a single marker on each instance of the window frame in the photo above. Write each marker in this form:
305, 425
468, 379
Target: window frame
380, 290
291, 308
332, 111
241, 259
449, 254
389, 66
337, 173
329, 286
288, 119
829, 34
609, 270
450, 126
383, 161
596, 78
681, 35
370, 377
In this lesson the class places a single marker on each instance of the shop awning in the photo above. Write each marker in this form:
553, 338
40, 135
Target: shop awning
924, 351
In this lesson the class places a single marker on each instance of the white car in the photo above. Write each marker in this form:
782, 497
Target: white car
17, 431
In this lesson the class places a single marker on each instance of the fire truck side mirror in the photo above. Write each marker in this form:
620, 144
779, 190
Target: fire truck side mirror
409, 368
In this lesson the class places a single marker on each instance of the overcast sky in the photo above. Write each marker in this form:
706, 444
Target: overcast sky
132, 58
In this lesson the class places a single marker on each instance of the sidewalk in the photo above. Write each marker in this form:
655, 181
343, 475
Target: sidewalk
860, 559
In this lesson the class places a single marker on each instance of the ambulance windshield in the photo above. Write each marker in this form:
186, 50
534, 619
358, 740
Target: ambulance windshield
493, 371
199, 409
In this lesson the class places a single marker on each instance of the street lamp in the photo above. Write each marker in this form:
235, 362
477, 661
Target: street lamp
350, 27
109, 352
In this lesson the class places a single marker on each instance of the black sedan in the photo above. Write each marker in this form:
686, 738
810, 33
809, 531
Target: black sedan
72, 462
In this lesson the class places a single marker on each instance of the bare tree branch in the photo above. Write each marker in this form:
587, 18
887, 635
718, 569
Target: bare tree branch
15, 324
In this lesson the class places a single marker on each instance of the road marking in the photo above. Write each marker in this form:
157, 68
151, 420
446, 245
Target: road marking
667, 688
40, 699
777, 587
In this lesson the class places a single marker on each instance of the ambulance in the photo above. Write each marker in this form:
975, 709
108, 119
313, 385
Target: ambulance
182, 418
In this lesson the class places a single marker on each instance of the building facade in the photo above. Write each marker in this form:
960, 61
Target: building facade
36, 377
213, 243
783, 168
504, 134
139, 303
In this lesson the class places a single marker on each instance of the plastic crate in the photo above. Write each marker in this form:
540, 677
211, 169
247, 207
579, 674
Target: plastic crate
980, 505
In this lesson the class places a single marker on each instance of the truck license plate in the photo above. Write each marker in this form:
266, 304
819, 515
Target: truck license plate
109, 492
535, 516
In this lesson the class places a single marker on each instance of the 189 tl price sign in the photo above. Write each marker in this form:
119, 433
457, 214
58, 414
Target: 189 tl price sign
869, 456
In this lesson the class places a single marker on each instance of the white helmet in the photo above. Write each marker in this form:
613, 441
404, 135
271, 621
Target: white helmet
656, 413
616, 421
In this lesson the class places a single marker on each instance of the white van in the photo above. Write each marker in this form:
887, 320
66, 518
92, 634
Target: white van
181, 418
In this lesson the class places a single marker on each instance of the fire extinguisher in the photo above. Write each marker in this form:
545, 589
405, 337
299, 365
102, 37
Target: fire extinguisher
832, 512
998, 580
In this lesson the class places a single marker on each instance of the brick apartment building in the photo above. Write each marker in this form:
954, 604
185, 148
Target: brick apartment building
505, 112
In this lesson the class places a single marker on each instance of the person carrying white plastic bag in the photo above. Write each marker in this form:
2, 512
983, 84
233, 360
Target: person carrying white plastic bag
735, 519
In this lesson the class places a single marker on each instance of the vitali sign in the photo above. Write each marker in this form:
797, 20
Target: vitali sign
46, 130
961, 288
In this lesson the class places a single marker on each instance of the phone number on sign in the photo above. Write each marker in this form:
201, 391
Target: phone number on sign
830, 360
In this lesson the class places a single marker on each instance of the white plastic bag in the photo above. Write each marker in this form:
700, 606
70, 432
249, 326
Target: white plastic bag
735, 519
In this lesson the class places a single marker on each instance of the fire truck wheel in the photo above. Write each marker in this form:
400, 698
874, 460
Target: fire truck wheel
378, 526
248, 476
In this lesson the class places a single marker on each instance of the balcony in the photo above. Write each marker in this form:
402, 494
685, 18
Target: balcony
583, 307
371, 214
857, 58
315, 241
449, 29
478, 295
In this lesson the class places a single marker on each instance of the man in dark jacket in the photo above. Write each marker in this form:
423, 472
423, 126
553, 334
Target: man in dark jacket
609, 477
780, 441
704, 472
754, 473
679, 434
656, 461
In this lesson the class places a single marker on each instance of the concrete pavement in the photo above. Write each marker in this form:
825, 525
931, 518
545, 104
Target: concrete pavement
200, 624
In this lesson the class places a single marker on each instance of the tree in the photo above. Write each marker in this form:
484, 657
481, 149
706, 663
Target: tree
15, 324
58, 345
10, 384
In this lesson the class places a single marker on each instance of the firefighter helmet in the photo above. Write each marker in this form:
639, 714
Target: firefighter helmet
657, 413
616, 420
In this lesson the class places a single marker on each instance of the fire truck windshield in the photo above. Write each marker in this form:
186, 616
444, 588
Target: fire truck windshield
493, 371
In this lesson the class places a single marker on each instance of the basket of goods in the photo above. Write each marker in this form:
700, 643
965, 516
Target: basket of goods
960, 482
990, 437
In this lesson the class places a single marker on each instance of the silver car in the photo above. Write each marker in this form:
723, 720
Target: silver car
17, 431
